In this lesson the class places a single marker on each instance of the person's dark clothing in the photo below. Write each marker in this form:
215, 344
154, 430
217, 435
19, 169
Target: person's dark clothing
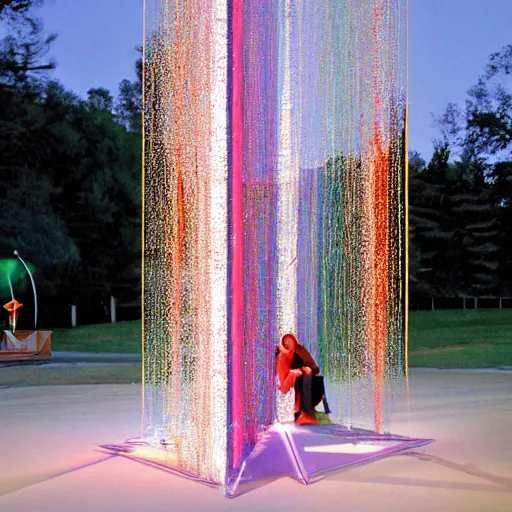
311, 387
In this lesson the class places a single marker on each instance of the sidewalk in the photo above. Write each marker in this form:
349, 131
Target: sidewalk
93, 357
51, 461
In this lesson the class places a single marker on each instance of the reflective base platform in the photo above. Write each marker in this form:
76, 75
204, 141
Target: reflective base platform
305, 453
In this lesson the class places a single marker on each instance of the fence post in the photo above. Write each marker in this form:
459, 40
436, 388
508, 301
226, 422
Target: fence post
500, 302
463, 302
476, 302
73, 315
432, 303
112, 309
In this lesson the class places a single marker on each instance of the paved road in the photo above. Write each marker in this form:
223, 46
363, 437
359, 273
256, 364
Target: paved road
49, 460
85, 357
73, 358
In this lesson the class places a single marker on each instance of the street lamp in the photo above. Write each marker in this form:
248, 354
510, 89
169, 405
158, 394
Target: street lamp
16, 253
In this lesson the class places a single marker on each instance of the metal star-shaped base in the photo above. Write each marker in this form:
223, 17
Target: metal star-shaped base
304, 453
307, 453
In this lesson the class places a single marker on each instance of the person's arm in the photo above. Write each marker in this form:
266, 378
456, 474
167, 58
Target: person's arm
306, 370
287, 376
308, 360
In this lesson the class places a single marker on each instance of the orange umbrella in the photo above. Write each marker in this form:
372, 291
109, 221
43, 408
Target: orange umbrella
12, 307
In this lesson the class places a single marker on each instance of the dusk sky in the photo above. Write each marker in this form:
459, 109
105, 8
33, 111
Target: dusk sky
450, 41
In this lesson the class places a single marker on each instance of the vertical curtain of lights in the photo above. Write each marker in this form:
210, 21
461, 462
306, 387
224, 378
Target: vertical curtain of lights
274, 202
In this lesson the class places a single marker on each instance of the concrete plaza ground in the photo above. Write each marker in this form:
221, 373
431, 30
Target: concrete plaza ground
50, 459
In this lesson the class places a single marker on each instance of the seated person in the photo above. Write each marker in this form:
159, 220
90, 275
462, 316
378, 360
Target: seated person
296, 368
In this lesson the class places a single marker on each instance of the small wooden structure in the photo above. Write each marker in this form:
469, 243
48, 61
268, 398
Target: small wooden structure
25, 345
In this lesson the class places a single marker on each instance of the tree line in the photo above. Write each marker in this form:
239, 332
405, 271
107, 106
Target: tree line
70, 187
461, 201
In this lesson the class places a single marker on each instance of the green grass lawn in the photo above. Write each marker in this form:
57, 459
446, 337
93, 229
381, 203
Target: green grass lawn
439, 339
479, 338
119, 338
28, 375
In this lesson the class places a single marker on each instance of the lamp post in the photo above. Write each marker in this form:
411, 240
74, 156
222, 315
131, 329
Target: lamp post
16, 253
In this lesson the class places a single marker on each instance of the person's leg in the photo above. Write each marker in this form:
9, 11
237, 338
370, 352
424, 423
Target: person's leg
298, 398
307, 414
306, 394
327, 409
317, 390
318, 393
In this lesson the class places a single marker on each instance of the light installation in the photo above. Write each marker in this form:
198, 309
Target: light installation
274, 202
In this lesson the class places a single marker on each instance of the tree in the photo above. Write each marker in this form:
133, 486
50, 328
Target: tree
23, 51
489, 107
481, 134
452, 227
70, 173
100, 99
473, 204
423, 220
96, 177
71, 193
129, 102
428, 224
484, 126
